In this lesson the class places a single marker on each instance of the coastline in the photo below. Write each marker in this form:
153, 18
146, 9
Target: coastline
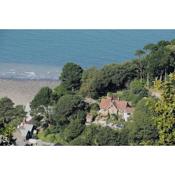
22, 91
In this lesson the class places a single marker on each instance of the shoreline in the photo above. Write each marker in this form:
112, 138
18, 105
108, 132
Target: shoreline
22, 91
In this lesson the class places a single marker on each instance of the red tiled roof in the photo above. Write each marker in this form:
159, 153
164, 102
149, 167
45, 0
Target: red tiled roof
121, 105
105, 103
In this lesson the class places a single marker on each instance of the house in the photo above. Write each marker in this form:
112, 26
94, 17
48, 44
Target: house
111, 105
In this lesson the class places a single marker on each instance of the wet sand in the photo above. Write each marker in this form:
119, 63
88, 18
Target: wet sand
23, 91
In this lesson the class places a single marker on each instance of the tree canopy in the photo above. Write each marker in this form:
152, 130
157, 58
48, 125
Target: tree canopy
43, 97
67, 108
164, 115
10, 117
142, 127
71, 76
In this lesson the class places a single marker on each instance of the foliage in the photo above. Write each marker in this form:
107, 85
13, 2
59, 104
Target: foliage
68, 105
71, 130
165, 112
88, 79
67, 108
10, 118
114, 119
139, 53
94, 107
40, 107
87, 137
6, 108
160, 61
135, 92
42, 98
142, 130
8, 131
107, 136
111, 78
71, 76
155, 62
74, 129
58, 92
9, 113
97, 135
52, 138
137, 87
37, 119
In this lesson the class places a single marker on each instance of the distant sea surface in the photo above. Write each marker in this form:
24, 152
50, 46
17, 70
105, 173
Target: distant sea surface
41, 54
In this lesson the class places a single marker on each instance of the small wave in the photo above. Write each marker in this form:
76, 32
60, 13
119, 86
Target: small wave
30, 73
11, 72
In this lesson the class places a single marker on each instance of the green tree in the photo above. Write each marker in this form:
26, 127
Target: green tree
74, 129
18, 115
139, 53
136, 87
19, 111
87, 137
10, 117
97, 135
40, 107
88, 79
6, 106
142, 130
42, 98
67, 107
6, 110
159, 60
135, 92
165, 112
8, 131
139, 62
107, 136
58, 92
69, 104
71, 76
150, 47
124, 135
112, 77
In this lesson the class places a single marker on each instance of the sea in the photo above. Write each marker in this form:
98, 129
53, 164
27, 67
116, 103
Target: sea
41, 54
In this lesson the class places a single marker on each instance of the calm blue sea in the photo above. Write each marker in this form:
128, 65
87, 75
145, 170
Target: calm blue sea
40, 54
